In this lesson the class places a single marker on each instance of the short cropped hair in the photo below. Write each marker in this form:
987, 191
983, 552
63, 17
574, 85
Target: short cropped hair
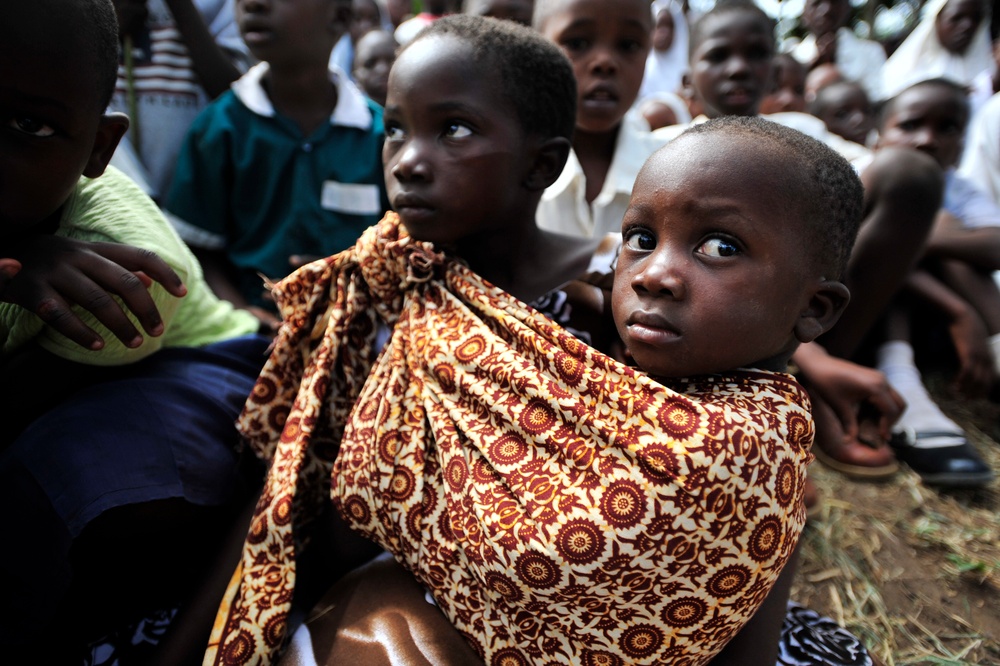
888, 107
98, 29
824, 96
722, 8
835, 201
536, 77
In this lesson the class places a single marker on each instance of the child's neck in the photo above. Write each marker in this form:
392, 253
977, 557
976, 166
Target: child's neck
304, 95
595, 150
526, 261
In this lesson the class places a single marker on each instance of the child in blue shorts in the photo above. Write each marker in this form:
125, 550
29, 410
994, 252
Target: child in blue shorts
286, 163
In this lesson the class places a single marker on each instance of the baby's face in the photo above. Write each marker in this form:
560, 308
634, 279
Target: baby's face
607, 42
714, 270
48, 119
731, 64
931, 119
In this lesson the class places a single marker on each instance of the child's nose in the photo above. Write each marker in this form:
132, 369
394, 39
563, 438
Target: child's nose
737, 66
660, 275
604, 60
410, 164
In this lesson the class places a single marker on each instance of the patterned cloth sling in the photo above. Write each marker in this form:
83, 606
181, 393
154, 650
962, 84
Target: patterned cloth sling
561, 507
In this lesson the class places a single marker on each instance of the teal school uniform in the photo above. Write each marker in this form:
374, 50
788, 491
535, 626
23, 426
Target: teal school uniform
250, 184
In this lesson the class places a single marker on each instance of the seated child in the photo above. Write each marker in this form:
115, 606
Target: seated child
130, 469
955, 277
531, 483
607, 42
829, 41
789, 92
519, 11
286, 163
845, 109
373, 59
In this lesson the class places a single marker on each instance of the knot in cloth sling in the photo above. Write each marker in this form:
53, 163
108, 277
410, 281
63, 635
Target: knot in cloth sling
560, 506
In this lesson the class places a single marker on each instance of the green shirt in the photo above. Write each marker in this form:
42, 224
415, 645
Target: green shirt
113, 209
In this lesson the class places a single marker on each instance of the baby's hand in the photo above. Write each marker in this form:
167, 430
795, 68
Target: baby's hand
56, 273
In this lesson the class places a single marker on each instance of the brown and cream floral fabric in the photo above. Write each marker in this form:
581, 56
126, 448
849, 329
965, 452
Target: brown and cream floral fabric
561, 507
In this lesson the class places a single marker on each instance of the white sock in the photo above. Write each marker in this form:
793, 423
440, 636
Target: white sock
895, 360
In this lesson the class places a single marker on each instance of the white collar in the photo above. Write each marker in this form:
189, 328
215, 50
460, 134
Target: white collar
351, 110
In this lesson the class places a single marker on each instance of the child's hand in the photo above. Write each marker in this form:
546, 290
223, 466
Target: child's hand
57, 273
975, 359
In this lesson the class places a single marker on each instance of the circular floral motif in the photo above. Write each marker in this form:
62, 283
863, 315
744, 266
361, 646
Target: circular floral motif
258, 530
274, 630
401, 484
623, 504
470, 349
729, 581
508, 657
388, 447
283, 511
482, 472
415, 522
591, 658
537, 417
264, 390
765, 539
457, 473
276, 417
580, 541
659, 464
508, 450
641, 640
503, 586
785, 483
446, 377
685, 612
569, 367
357, 510
239, 649
537, 571
678, 418
799, 431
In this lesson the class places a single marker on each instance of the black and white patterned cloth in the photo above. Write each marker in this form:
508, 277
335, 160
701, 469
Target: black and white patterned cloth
809, 639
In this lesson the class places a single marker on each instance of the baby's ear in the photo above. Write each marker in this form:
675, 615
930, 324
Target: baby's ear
550, 158
825, 306
109, 132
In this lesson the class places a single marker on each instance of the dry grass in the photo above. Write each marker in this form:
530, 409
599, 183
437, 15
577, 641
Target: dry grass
915, 573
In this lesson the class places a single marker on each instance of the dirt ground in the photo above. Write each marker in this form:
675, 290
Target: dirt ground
912, 571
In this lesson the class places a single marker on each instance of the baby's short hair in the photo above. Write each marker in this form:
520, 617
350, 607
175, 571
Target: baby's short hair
536, 76
721, 8
835, 201
98, 28
887, 107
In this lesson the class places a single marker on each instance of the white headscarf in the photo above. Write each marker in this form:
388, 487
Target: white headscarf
921, 55
981, 159
664, 69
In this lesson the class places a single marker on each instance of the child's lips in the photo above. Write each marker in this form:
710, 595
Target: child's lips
651, 329
600, 98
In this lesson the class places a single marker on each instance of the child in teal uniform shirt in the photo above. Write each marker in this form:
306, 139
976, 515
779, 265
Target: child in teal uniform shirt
286, 163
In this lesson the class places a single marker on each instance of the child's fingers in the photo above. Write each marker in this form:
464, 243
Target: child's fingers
138, 260
9, 268
96, 298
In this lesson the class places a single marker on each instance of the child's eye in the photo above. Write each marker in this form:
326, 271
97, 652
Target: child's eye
639, 240
719, 247
629, 45
576, 44
32, 126
458, 131
716, 56
394, 133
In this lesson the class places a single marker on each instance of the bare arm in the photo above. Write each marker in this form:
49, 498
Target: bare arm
211, 62
979, 247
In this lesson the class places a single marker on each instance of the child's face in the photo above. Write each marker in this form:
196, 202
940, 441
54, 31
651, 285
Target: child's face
931, 119
372, 61
823, 17
291, 31
49, 118
518, 11
455, 155
790, 93
731, 66
713, 274
847, 112
607, 42
957, 22
663, 31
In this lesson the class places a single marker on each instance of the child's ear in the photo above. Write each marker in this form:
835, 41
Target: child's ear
110, 131
825, 306
550, 158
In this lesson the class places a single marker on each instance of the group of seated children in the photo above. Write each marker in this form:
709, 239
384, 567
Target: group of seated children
499, 459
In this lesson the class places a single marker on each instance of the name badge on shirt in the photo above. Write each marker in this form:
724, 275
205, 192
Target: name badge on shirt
352, 198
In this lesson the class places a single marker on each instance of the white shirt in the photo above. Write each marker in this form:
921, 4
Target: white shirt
857, 59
